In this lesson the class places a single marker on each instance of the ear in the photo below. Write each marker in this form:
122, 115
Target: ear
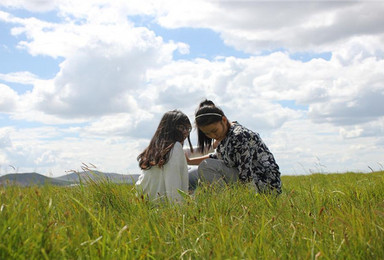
224, 120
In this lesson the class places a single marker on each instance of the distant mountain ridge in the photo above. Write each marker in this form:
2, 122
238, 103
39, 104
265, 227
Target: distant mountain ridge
95, 175
33, 178
28, 179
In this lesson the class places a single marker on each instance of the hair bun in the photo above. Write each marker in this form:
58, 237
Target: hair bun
206, 102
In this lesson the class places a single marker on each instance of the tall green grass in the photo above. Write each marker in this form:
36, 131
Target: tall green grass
334, 216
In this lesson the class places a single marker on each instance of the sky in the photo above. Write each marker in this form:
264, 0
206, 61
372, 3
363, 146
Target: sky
87, 82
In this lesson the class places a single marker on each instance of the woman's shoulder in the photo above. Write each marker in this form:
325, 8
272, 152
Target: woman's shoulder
177, 153
241, 132
177, 148
239, 129
177, 145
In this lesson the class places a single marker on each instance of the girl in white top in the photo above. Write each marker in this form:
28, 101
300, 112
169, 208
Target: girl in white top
163, 163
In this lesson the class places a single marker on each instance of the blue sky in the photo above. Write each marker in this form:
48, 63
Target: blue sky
88, 83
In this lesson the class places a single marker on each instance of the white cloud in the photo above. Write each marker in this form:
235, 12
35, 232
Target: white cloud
302, 147
24, 155
354, 94
105, 65
93, 83
251, 26
5, 140
8, 99
22, 77
53, 151
334, 93
374, 128
255, 26
31, 5
117, 80
139, 125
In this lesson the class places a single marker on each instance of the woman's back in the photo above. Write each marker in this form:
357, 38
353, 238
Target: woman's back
166, 180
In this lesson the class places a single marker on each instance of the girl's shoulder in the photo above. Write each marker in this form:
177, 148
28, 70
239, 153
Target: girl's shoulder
239, 129
177, 153
178, 148
241, 132
178, 145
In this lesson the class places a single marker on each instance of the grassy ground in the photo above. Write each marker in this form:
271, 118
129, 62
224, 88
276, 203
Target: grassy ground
333, 216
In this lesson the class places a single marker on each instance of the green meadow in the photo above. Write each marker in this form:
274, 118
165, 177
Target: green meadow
318, 216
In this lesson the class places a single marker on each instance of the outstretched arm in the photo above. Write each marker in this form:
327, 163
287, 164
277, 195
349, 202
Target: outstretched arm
196, 160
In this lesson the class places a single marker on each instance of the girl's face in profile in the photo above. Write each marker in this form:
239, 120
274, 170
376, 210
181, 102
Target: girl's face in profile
185, 129
217, 131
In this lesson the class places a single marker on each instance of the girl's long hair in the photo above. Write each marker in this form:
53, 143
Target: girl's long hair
167, 134
207, 113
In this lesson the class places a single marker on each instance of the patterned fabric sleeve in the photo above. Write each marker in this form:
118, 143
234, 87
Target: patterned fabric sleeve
245, 150
242, 155
254, 160
267, 169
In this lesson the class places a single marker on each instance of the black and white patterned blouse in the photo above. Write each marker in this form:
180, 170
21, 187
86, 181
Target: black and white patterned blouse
245, 150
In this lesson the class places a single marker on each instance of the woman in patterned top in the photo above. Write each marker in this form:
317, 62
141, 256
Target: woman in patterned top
240, 155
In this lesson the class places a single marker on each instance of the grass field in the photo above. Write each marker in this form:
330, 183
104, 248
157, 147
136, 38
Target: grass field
319, 216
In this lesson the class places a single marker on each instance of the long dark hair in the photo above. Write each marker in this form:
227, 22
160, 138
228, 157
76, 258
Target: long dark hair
167, 134
207, 113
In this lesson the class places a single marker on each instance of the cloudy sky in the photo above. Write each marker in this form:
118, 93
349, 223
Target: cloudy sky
88, 81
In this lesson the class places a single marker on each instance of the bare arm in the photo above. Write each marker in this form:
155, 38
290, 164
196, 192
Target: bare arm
196, 160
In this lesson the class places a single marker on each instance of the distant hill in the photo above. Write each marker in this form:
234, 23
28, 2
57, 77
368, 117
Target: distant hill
33, 178
97, 175
27, 179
